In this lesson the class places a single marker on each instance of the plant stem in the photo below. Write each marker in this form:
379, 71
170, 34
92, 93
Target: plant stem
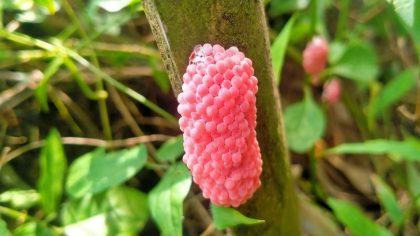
103, 110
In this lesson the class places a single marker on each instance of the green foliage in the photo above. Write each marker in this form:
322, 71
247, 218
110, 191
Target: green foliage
53, 166
171, 149
355, 220
120, 211
358, 62
278, 49
49, 4
278, 7
399, 150
305, 123
224, 217
389, 201
166, 200
33, 229
20, 199
392, 93
409, 11
3, 228
96, 171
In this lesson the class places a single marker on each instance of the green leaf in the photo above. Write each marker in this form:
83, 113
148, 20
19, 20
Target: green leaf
336, 51
305, 123
279, 7
4, 231
76, 210
41, 92
355, 220
93, 226
113, 5
20, 199
166, 200
97, 170
33, 229
53, 166
171, 149
49, 4
392, 92
409, 12
399, 150
224, 217
278, 49
388, 200
128, 211
359, 62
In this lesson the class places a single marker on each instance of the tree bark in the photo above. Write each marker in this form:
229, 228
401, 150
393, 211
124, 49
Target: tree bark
178, 26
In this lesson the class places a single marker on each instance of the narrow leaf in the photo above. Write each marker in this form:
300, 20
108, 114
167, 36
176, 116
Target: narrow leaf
166, 200
53, 166
41, 92
278, 49
355, 220
97, 170
400, 150
171, 149
392, 92
305, 123
388, 200
224, 217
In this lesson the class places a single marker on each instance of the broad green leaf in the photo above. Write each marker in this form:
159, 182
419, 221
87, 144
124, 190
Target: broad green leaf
166, 200
355, 220
392, 92
97, 170
359, 62
336, 51
53, 166
93, 226
4, 231
409, 12
278, 49
128, 210
278, 7
399, 150
20, 199
171, 149
33, 229
388, 200
41, 92
305, 123
79, 209
224, 217
49, 4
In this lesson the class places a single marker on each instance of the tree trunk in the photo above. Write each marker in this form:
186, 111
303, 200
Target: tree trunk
178, 26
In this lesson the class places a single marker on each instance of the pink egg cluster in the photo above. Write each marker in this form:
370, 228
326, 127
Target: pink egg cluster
315, 56
332, 91
218, 119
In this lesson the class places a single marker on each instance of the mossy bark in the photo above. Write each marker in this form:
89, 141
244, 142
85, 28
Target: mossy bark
178, 26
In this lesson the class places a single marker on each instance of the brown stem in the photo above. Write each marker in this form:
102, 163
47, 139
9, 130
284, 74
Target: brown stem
180, 25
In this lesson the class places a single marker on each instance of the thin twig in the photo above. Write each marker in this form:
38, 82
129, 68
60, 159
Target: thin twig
86, 142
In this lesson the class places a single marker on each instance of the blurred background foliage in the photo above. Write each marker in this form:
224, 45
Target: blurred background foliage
88, 125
